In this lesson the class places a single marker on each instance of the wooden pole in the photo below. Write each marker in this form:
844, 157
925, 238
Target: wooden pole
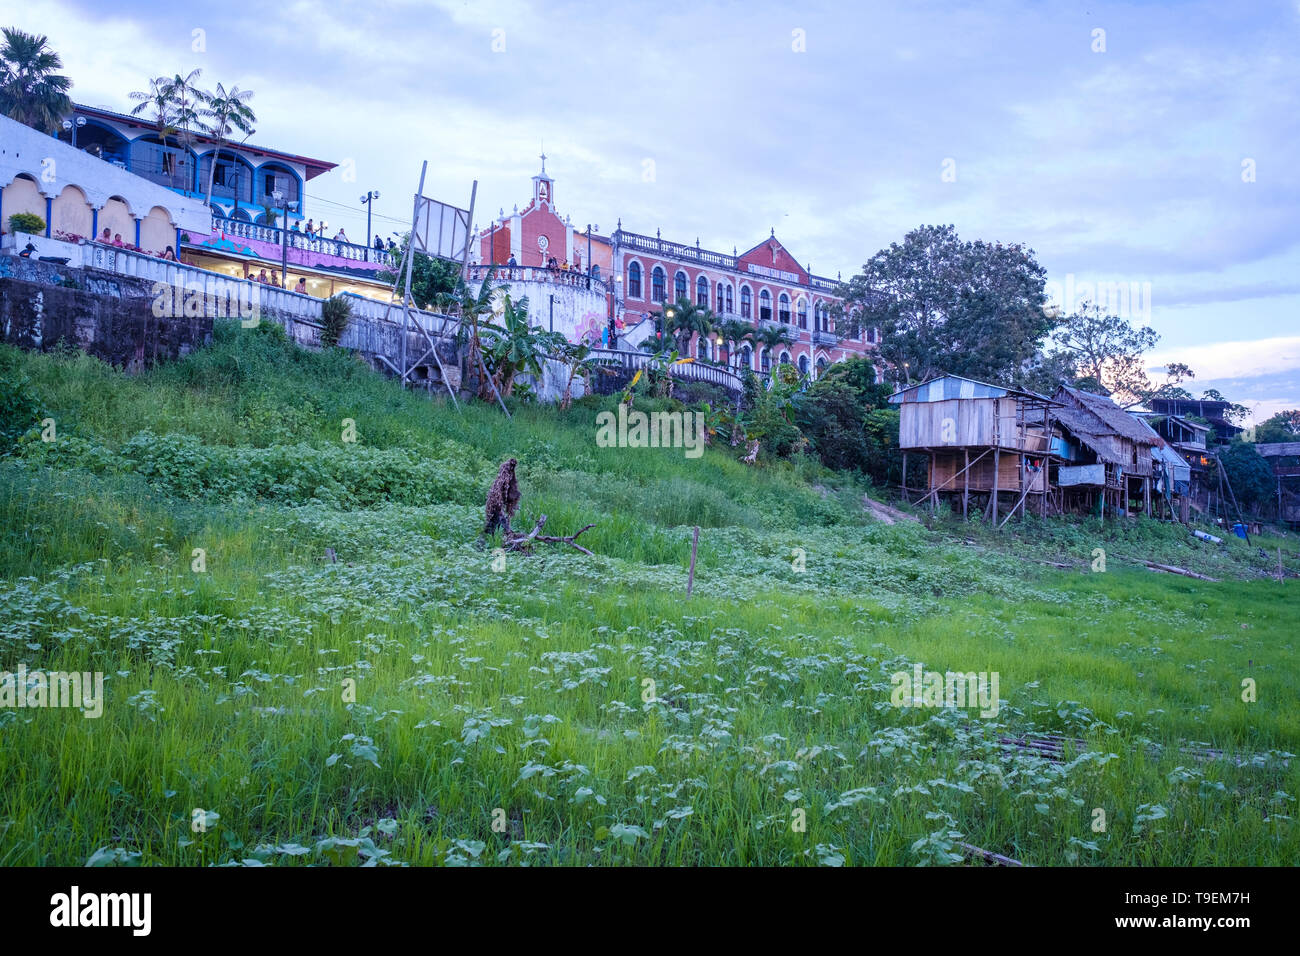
965, 485
905, 493
997, 483
690, 578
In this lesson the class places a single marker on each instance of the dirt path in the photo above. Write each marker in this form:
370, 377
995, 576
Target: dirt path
885, 513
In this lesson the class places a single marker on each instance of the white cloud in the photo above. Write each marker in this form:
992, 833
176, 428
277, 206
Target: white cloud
1239, 359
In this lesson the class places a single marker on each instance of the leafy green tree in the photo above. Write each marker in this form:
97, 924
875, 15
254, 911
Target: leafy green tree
1282, 427
515, 345
435, 283
944, 305
860, 375
31, 92
1107, 354
1250, 474
223, 113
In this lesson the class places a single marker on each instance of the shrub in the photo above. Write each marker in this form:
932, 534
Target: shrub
26, 222
335, 313
19, 408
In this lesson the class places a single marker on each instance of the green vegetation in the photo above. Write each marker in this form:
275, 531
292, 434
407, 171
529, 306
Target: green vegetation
575, 710
27, 222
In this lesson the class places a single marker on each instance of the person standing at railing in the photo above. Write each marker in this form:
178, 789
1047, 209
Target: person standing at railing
310, 231
511, 263
301, 287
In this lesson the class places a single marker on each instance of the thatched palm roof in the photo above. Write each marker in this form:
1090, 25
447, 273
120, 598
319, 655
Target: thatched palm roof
1110, 418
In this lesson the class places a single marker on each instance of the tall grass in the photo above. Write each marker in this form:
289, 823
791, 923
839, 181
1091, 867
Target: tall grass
425, 701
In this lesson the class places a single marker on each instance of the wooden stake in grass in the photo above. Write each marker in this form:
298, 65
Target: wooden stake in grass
690, 578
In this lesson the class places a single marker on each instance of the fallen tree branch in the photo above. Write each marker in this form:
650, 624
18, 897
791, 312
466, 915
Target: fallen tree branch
988, 856
515, 541
1170, 569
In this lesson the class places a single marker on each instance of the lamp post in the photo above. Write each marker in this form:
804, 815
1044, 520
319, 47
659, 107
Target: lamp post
368, 200
589, 228
71, 127
279, 198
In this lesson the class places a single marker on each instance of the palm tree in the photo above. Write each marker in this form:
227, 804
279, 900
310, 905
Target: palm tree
30, 91
771, 337
733, 332
474, 307
224, 113
159, 100
187, 100
518, 345
683, 320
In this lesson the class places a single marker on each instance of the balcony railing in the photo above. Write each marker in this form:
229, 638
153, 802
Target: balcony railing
824, 338
687, 371
242, 228
675, 250
568, 277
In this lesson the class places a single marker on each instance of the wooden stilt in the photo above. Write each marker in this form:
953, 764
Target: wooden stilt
997, 484
965, 485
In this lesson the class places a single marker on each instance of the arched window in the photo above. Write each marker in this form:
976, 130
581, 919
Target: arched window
634, 281
783, 310
765, 305
785, 358
702, 292
702, 347
803, 317
746, 302
803, 365
679, 286
821, 365
746, 357
719, 303
765, 359
658, 289
731, 306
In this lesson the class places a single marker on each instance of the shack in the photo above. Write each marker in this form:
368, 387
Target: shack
980, 441
1110, 454
1285, 459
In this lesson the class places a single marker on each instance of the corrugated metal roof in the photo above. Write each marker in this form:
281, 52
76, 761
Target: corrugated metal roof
946, 387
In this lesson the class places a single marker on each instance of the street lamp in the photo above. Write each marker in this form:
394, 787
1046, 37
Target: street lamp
70, 127
279, 197
589, 228
367, 200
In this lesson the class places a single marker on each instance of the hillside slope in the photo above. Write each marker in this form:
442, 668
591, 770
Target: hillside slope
422, 700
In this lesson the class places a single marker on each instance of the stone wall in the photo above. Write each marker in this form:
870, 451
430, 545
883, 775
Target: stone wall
110, 317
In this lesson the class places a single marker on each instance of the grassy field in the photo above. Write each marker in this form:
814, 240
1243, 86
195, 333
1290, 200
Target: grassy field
425, 701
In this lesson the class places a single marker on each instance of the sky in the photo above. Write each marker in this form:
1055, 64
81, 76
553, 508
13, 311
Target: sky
1153, 147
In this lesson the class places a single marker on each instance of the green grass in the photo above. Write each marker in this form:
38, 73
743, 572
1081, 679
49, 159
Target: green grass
508, 715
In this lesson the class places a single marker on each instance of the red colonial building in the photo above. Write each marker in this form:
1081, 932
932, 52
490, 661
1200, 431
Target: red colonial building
763, 287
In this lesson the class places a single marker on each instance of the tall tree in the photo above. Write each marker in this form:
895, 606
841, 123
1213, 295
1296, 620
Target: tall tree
1282, 427
158, 100
944, 305
1107, 354
223, 113
30, 90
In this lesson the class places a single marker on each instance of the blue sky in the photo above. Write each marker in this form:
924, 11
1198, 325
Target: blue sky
1115, 165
